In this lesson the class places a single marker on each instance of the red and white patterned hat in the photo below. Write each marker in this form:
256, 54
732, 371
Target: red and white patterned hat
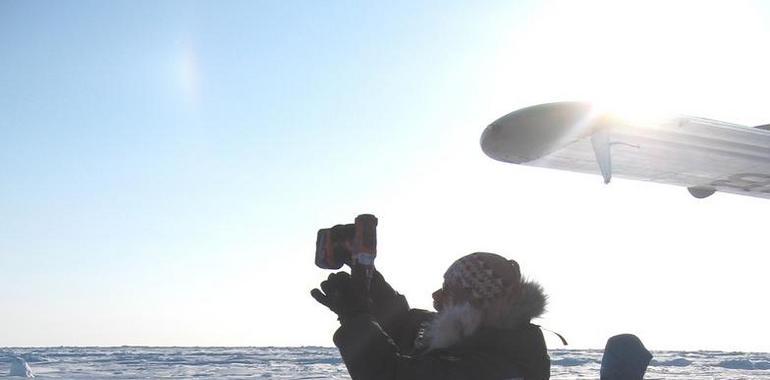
484, 275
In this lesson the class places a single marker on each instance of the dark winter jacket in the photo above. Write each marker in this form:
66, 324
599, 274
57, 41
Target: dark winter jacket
390, 343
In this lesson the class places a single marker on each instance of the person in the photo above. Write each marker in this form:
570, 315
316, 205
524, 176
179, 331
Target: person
624, 358
481, 329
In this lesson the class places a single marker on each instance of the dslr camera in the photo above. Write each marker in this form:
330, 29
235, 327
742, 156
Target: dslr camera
347, 244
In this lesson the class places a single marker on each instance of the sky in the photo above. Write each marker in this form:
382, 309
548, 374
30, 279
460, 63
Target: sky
164, 166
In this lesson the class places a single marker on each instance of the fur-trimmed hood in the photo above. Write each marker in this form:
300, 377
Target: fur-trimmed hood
460, 321
530, 304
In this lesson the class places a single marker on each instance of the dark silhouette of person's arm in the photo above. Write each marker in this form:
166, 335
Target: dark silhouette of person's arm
391, 311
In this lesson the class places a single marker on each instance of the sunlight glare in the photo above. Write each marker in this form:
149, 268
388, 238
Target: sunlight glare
666, 56
189, 74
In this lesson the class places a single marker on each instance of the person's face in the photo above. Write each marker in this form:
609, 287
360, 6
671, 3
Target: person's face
446, 297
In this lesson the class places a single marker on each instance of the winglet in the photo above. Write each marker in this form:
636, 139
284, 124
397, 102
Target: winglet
600, 140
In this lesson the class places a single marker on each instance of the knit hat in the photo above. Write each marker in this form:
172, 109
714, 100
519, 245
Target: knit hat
483, 275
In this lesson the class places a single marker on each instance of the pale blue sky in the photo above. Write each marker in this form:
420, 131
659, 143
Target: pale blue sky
164, 165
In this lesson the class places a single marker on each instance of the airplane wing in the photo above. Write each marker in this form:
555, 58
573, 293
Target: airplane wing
701, 154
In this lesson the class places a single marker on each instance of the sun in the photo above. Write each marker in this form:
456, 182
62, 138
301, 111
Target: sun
684, 57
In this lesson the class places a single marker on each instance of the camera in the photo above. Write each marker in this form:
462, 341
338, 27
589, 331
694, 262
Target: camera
333, 246
347, 244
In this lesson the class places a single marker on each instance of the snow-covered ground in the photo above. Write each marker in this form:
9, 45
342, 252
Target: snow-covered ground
325, 363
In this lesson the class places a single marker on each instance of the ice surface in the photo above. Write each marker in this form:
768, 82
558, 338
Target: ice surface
678, 362
745, 364
19, 368
80, 363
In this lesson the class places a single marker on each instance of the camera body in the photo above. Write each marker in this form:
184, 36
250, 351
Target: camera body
347, 244
333, 246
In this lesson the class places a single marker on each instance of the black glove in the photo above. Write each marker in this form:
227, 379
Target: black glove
343, 294
380, 291
388, 307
